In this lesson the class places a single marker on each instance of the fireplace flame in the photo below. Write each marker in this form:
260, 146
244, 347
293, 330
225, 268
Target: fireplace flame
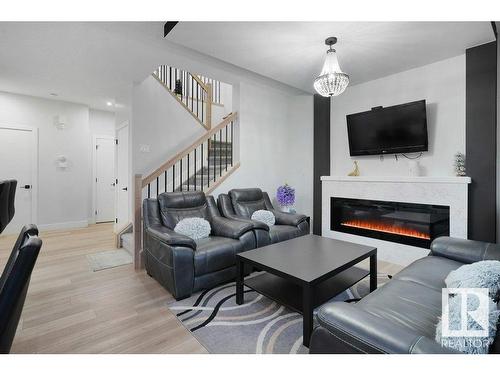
386, 228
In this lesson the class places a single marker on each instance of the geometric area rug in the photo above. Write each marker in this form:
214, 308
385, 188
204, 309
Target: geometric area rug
259, 326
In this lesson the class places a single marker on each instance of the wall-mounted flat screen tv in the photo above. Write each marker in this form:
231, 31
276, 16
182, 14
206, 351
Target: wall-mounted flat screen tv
388, 130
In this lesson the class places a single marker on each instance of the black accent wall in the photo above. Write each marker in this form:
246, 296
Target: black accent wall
321, 154
481, 135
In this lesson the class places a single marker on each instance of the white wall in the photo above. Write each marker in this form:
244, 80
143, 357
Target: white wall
101, 122
160, 123
441, 84
64, 195
276, 143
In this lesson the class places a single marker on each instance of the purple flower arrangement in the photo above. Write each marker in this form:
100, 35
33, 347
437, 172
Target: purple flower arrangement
285, 195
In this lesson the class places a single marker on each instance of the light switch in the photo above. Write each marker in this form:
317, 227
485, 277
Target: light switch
144, 148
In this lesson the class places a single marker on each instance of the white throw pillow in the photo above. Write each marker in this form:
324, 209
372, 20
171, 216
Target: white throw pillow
194, 227
267, 217
482, 274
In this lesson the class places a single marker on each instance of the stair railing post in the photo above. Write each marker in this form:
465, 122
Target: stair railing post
138, 259
209, 105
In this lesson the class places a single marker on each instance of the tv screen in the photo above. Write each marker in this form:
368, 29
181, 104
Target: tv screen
390, 130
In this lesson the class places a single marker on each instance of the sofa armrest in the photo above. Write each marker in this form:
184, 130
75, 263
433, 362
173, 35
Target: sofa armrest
170, 237
357, 331
224, 227
465, 251
285, 218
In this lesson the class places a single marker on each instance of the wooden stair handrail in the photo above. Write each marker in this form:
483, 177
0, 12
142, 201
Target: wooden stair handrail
200, 82
159, 171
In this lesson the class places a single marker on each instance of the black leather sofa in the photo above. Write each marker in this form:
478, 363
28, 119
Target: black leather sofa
181, 264
240, 204
400, 316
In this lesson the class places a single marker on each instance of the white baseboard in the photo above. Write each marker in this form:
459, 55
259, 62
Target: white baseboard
66, 225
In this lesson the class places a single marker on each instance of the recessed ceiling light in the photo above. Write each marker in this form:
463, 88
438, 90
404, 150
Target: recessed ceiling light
109, 104
53, 94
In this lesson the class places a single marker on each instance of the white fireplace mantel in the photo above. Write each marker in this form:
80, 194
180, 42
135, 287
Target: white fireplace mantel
423, 180
446, 191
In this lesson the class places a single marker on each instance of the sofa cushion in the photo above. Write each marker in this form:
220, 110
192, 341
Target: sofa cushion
247, 201
429, 271
280, 233
407, 304
180, 205
214, 254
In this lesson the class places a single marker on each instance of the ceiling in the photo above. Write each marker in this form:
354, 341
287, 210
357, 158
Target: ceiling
94, 63
83, 62
293, 52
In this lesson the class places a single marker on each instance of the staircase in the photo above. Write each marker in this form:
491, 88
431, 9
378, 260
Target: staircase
218, 161
202, 166
195, 93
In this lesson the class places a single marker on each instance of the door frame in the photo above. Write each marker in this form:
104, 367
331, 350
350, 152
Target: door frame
34, 167
95, 137
124, 124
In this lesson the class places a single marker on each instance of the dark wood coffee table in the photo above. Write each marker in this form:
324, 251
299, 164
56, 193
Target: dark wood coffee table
305, 272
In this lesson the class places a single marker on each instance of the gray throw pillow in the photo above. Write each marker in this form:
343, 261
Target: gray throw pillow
468, 345
483, 274
267, 217
194, 227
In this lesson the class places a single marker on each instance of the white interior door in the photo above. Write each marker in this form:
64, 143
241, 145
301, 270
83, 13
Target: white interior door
105, 180
122, 173
18, 154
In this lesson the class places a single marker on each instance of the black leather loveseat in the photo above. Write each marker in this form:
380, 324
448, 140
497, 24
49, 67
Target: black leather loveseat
181, 264
400, 316
240, 204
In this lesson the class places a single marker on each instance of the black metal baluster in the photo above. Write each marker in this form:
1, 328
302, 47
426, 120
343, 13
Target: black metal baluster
165, 181
180, 177
202, 104
149, 190
188, 171
225, 161
215, 156
170, 85
202, 166
173, 178
195, 170
197, 101
157, 186
232, 145
208, 161
220, 152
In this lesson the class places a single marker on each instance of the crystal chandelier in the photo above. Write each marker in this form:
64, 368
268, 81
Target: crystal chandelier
332, 81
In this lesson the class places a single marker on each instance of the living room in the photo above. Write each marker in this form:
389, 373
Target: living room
261, 186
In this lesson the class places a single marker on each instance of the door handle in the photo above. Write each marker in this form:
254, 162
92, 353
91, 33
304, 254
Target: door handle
27, 187
124, 189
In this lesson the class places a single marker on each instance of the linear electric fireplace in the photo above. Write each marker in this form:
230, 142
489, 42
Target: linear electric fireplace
406, 223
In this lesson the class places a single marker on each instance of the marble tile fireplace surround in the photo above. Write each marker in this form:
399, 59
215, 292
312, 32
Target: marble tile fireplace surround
442, 198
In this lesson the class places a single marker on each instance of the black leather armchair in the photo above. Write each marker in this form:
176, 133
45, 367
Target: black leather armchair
240, 204
400, 316
183, 265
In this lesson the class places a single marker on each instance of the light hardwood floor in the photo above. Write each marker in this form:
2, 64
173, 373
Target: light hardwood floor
70, 309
